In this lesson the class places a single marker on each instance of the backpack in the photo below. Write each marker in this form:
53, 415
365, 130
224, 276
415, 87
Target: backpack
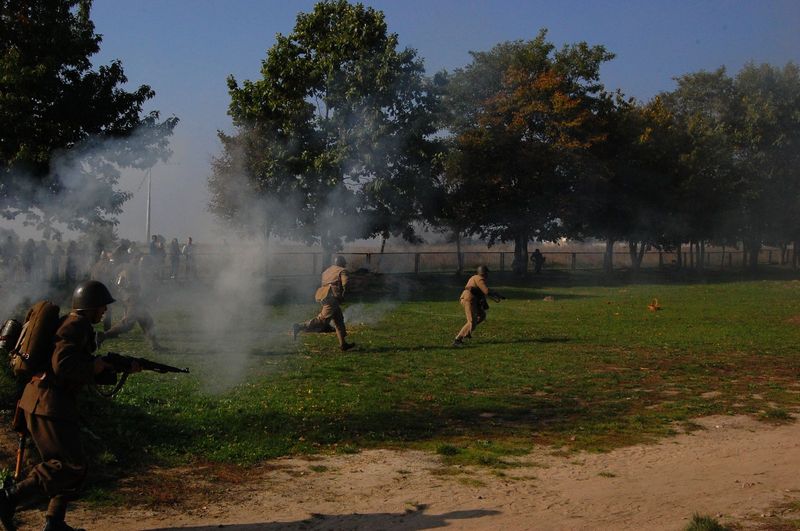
34, 349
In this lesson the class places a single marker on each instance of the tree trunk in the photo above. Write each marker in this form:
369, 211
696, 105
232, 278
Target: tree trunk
679, 256
753, 249
460, 256
520, 263
608, 257
636, 253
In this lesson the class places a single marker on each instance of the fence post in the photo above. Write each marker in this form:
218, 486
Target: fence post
769, 258
502, 261
416, 262
574, 264
660, 260
368, 260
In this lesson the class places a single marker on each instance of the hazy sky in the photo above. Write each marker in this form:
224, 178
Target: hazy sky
185, 49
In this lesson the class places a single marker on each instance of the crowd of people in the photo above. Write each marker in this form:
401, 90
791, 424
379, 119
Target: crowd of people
43, 261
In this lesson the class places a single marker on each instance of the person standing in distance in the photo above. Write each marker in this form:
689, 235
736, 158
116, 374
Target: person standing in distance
473, 299
330, 295
50, 406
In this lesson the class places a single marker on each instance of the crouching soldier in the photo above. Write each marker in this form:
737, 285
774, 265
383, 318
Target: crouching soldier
473, 299
49, 404
330, 295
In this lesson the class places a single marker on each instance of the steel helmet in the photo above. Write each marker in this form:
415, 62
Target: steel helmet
91, 294
482, 270
340, 261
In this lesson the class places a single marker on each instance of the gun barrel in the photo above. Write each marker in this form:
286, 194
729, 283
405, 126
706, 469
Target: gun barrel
122, 363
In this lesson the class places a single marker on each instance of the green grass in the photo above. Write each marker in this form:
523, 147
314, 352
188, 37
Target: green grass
592, 369
705, 523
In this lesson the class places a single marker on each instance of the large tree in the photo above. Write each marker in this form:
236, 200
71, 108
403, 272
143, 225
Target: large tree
333, 141
65, 128
523, 114
743, 182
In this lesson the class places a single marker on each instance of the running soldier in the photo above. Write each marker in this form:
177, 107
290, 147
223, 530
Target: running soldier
128, 288
330, 295
473, 299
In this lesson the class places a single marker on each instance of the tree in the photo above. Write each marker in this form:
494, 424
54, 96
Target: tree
66, 129
743, 183
523, 114
335, 134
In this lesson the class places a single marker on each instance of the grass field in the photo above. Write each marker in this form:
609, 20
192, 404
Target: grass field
591, 369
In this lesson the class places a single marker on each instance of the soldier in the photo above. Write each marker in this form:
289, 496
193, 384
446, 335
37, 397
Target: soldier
331, 295
128, 288
473, 299
49, 403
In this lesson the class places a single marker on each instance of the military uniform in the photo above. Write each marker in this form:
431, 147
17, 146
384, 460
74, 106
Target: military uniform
473, 299
330, 294
134, 310
50, 404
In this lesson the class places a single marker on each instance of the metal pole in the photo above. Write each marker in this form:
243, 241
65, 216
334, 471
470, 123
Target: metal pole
149, 189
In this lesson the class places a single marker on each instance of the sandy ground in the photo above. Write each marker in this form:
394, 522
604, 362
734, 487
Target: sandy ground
737, 470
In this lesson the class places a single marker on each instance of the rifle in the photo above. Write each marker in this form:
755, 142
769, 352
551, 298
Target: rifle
123, 364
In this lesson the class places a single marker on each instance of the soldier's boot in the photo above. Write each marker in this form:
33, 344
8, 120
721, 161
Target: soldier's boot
53, 524
457, 342
347, 346
296, 328
8, 505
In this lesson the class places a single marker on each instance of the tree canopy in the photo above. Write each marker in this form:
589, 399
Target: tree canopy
334, 140
66, 128
523, 114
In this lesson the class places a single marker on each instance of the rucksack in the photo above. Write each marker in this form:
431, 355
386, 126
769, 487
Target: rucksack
34, 349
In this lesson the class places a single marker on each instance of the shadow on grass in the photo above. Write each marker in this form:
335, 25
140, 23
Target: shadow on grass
409, 520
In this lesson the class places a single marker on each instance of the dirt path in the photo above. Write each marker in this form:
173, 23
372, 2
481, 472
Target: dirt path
737, 470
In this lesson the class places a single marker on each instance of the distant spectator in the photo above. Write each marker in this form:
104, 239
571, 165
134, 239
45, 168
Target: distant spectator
154, 245
26, 259
174, 253
188, 256
41, 259
538, 261
8, 255
58, 255
71, 267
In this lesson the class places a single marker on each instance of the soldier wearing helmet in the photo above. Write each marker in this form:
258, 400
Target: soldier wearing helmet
473, 299
330, 295
134, 310
50, 407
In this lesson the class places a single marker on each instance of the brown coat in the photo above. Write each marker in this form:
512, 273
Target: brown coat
333, 284
55, 393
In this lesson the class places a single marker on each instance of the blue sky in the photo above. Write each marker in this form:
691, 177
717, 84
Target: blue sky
185, 49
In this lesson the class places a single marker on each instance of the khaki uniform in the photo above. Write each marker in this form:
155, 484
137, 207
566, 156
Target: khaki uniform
330, 294
134, 310
473, 299
50, 403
